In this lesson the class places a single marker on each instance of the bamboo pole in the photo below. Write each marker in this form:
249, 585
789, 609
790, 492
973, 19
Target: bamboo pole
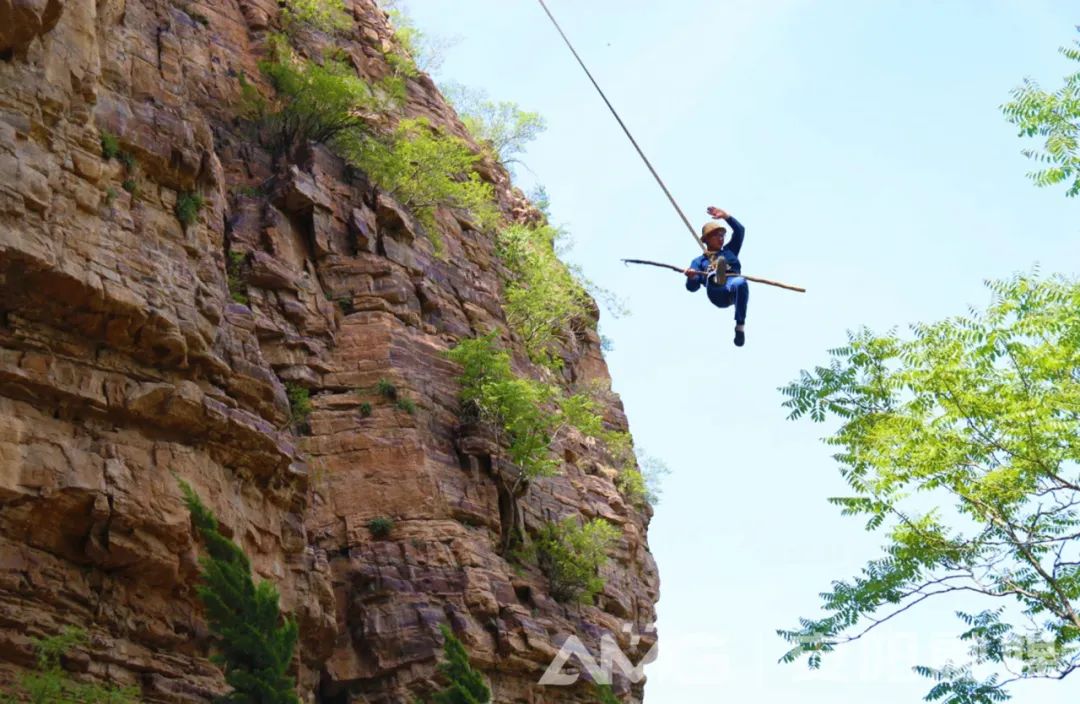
755, 279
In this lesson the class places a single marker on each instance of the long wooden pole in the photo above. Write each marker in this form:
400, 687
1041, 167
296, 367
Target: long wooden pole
755, 279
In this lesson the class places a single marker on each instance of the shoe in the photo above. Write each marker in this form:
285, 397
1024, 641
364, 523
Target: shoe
740, 337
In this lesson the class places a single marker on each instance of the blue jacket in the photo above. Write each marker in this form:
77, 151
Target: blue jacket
730, 253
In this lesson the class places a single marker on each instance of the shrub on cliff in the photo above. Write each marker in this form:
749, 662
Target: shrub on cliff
256, 646
188, 205
527, 415
313, 102
330, 16
516, 408
571, 556
423, 169
416, 50
466, 684
544, 302
50, 684
501, 126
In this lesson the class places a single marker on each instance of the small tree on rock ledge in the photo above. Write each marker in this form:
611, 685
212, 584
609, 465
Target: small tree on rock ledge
255, 650
466, 684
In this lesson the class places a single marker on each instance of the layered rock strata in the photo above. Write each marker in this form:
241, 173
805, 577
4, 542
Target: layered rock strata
125, 364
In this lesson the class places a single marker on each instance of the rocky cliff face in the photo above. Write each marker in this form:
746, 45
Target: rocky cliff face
124, 363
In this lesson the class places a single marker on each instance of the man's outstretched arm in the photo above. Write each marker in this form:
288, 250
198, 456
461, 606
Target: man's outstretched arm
738, 232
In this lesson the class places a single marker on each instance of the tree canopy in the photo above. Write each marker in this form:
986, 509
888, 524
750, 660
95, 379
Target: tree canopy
961, 445
1055, 117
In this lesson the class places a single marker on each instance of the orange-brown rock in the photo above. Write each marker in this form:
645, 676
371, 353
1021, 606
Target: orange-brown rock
125, 363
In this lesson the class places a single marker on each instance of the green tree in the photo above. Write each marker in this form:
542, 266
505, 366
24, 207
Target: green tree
50, 684
571, 556
979, 416
502, 126
1055, 117
518, 409
423, 169
256, 647
467, 685
416, 50
313, 102
527, 415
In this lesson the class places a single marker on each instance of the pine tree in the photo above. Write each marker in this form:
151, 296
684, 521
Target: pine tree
466, 684
255, 650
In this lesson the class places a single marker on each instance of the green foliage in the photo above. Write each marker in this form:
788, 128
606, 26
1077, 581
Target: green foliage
299, 405
516, 408
365, 410
110, 195
416, 50
234, 269
466, 685
345, 305
255, 650
544, 302
1054, 117
313, 102
526, 415
188, 206
571, 556
130, 186
423, 169
386, 389
605, 695
110, 145
641, 483
501, 126
976, 415
127, 159
247, 191
407, 405
329, 16
540, 199
381, 526
50, 684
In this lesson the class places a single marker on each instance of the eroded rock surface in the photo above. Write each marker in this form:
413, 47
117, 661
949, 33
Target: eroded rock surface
124, 363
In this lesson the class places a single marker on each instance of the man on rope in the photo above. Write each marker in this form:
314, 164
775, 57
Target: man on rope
724, 287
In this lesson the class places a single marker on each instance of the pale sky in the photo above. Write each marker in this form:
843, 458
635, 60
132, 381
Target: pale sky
861, 145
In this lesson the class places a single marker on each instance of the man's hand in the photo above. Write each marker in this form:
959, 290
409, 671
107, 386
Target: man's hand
691, 273
716, 213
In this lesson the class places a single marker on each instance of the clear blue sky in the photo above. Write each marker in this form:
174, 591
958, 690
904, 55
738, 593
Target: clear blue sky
861, 145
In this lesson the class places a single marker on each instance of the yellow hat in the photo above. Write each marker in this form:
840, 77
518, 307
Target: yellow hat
709, 227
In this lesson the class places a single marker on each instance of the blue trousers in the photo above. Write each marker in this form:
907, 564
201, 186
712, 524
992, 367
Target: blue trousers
735, 290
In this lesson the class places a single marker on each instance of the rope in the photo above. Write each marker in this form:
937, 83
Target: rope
693, 233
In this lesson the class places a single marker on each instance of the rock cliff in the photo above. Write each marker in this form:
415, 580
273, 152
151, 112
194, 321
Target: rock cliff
125, 363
